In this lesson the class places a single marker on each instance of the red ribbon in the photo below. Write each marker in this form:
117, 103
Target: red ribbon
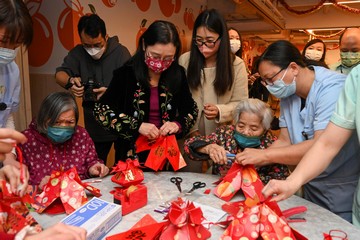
160, 150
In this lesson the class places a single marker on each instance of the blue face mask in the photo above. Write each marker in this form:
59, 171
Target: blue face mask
60, 134
282, 90
7, 55
246, 141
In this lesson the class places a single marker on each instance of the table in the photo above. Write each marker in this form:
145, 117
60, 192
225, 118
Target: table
160, 189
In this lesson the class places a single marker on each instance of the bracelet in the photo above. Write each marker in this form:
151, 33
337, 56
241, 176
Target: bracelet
69, 84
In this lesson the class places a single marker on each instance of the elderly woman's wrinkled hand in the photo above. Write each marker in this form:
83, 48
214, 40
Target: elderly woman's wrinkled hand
216, 153
98, 169
253, 156
280, 189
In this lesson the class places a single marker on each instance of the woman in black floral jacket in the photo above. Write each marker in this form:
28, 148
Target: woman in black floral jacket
252, 120
149, 95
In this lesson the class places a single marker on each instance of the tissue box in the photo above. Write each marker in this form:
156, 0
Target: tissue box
97, 216
131, 200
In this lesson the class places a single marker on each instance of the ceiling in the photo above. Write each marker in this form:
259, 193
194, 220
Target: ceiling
269, 20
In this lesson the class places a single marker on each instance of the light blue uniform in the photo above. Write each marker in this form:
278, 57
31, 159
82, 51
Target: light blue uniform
335, 187
9, 90
347, 115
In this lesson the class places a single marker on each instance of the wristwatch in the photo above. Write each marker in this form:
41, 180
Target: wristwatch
69, 84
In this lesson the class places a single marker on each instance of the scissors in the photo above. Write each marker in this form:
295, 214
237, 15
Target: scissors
196, 185
177, 181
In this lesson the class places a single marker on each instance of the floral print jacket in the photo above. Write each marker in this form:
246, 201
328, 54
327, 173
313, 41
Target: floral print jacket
223, 136
126, 105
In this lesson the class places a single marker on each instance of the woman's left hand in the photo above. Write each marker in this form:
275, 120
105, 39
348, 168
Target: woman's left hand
251, 156
98, 169
169, 128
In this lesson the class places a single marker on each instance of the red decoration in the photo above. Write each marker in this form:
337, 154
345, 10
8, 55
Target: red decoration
145, 228
240, 177
131, 198
318, 7
127, 173
14, 215
184, 222
160, 150
263, 220
68, 187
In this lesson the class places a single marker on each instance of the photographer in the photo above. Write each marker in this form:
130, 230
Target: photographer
87, 72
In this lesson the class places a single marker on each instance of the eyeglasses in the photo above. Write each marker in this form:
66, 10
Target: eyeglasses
335, 235
209, 43
269, 81
158, 57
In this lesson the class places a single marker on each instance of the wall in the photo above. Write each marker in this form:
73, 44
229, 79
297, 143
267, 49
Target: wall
55, 27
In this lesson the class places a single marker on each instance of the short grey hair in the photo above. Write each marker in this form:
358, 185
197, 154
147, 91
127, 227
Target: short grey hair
256, 106
52, 107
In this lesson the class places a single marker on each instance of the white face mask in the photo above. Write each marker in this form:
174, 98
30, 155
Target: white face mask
235, 45
282, 90
7, 55
95, 53
313, 54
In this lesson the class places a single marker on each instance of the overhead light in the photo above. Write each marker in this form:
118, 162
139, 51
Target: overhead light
324, 29
343, 2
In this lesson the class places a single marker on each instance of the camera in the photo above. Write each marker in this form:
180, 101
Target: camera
89, 86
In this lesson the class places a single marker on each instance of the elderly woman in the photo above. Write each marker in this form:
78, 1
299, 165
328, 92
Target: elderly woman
56, 142
252, 120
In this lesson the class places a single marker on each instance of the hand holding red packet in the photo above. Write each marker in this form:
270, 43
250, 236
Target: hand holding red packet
160, 150
68, 188
14, 215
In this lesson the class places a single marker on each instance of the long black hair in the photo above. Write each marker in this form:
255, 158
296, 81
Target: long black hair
321, 62
214, 22
162, 32
281, 53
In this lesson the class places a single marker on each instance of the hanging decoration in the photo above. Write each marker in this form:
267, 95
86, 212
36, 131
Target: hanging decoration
302, 12
324, 36
318, 6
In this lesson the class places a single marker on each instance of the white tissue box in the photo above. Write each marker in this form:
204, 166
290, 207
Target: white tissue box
97, 216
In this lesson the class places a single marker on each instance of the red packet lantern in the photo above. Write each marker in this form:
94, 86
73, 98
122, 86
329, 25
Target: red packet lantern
66, 187
127, 173
14, 215
240, 177
185, 222
263, 220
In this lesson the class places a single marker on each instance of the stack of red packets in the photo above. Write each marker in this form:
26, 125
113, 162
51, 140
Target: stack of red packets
164, 148
182, 222
64, 192
132, 195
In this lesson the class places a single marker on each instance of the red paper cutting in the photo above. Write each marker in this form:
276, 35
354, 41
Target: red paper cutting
67, 186
160, 150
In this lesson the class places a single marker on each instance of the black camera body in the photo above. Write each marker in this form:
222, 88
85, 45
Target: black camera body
89, 86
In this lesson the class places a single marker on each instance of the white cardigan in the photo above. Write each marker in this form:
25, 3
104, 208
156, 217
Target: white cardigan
206, 94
